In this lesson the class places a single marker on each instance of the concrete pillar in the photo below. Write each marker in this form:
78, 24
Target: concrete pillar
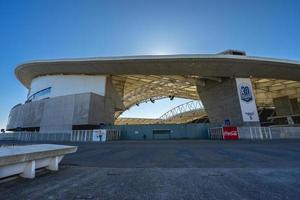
53, 164
29, 170
222, 102
286, 106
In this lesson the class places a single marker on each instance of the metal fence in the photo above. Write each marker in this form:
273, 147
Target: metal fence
73, 136
259, 133
87, 135
215, 133
269, 133
255, 133
252, 133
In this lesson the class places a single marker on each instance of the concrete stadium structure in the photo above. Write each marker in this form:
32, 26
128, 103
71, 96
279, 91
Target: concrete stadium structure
84, 93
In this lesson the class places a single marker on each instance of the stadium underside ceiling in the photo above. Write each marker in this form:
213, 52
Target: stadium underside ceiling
184, 113
135, 89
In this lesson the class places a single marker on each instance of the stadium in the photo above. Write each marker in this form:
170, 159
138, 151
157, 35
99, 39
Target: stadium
224, 88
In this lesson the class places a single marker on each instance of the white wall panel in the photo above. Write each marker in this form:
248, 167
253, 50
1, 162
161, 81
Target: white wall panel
69, 84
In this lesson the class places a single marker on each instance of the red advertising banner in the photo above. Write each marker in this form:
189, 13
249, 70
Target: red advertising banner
230, 133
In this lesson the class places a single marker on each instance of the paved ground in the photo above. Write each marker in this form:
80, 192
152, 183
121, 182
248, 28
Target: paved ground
169, 170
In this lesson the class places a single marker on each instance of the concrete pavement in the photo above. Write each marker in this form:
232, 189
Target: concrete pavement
169, 170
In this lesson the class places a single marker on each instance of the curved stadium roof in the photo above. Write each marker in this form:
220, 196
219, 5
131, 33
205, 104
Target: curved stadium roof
139, 78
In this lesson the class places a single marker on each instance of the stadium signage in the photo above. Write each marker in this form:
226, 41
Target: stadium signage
247, 100
230, 133
245, 92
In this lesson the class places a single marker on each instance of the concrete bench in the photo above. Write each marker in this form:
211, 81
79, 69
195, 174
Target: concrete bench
24, 160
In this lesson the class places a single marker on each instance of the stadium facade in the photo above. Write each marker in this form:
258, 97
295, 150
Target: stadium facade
74, 94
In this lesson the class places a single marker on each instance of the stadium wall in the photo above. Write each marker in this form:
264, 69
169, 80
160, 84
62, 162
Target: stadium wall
163, 131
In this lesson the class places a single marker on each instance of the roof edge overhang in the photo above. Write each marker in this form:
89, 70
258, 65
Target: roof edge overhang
218, 65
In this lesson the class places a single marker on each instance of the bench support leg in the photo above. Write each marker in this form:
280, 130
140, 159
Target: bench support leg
53, 164
29, 170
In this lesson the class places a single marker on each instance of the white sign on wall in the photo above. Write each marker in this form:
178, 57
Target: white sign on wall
247, 100
99, 135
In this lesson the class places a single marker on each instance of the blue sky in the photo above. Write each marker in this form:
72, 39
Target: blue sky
45, 29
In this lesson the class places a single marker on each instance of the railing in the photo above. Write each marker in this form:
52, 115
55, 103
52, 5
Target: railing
87, 135
286, 132
269, 133
73, 136
259, 133
255, 133
252, 133
215, 133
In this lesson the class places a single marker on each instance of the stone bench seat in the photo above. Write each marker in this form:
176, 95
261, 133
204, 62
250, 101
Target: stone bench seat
24, 160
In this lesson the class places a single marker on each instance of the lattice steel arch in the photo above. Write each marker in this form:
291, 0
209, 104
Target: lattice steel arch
183, 108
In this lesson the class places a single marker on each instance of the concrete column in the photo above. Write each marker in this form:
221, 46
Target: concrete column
221, 101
